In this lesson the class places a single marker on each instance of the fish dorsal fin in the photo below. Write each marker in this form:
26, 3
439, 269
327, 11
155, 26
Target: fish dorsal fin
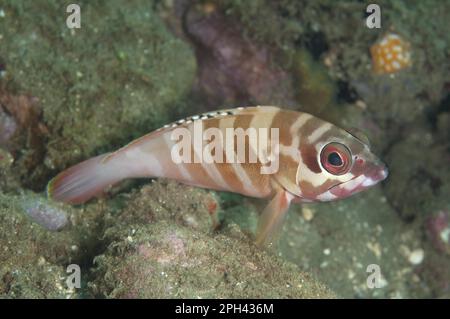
219, 114
360, 135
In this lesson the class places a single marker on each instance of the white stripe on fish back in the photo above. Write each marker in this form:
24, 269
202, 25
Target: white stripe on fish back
293, 150
142, 155
148, 160
295, 127
263, 120
239, 171
181, 168
210, 168
304, 173
318, 132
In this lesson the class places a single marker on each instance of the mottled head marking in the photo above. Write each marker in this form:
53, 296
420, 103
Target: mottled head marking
334, 163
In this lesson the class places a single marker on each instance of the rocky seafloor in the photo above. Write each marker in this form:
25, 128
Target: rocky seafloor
68, 94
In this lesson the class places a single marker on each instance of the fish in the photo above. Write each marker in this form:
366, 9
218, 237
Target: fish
312, 160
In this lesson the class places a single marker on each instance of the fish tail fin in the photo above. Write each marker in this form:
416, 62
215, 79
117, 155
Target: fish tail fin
81, 182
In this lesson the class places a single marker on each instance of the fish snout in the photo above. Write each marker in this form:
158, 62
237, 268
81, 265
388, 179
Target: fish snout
378, 173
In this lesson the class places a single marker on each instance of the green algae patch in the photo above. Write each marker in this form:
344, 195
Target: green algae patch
119, 76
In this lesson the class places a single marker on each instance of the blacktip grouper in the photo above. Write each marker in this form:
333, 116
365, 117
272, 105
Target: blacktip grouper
264, 152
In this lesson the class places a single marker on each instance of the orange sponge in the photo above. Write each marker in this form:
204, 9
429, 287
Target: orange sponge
390, 54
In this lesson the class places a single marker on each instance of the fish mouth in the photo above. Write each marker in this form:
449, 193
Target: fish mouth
378, 174
361, 182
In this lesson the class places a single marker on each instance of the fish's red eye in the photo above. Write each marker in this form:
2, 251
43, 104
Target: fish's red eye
336, 158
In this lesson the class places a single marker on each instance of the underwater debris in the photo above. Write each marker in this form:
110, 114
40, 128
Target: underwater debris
438, 230
43, 212
212, 207
416, 256
390, 54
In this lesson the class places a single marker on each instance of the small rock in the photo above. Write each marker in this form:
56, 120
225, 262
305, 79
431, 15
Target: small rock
45, 213
375, 248
416, 256
361, 104
308, 213
438, 231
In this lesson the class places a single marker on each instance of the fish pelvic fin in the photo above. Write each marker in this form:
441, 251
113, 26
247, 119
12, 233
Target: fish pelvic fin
272, 218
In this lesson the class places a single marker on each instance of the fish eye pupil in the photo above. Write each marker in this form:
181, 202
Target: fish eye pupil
334, 159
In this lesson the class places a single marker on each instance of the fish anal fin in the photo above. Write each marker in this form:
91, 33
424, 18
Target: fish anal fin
271, 220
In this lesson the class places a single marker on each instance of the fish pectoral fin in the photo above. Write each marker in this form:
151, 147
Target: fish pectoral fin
272, 218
